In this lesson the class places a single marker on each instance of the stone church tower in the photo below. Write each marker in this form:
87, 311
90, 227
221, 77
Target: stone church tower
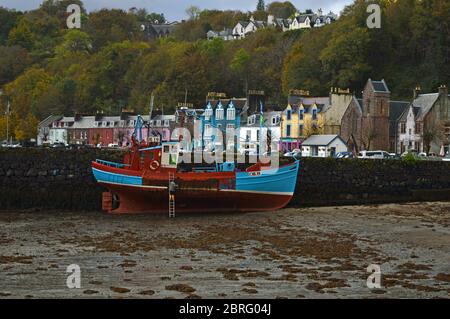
375, 118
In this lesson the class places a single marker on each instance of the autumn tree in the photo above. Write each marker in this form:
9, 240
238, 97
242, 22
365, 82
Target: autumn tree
282, 10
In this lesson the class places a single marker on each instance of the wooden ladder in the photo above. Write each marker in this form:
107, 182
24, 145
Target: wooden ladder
171, 198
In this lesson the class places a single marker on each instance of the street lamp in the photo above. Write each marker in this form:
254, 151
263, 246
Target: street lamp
7, 112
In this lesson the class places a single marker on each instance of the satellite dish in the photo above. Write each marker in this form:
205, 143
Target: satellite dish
142, 27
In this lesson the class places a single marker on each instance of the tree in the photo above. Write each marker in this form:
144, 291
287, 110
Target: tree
8, 20
13, 61
37, 32
282, 10
26, 128
240, 65
156, 18
193, 12
261, 6
109, 26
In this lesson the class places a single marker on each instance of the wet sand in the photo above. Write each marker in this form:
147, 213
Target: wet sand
292, 253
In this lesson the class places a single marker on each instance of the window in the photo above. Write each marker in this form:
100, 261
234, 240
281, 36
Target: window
131, 123
230, 126
96, 124
403, 128
258, 135
112, 123
219, 113
208, 114
104, 124
158, 123
251, 120
288, 130
301, 114
314, 114
288, 115
231, 113
300, 130
418, 128
166, 123
410, 131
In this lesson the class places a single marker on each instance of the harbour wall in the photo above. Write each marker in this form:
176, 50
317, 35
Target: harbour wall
61, 179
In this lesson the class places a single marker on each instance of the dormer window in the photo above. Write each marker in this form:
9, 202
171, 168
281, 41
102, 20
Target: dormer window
166, 123
231, 112
158, 123
251, 120
104, 124
131, 123
111, 123
314, 114
95, 124
122, 123
208, 112
301, 114
219, 112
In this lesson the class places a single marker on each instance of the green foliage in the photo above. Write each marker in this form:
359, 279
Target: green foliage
13, 61
109, 26
8, 20
261, 6
47, 69
410, 159
283, 10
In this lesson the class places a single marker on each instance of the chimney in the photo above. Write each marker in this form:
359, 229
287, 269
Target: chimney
416, 92
443, 90
320, 12
270, 19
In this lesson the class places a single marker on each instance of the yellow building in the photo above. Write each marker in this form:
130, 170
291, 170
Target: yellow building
302, 119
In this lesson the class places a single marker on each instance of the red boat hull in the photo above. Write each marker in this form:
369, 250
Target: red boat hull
147, 199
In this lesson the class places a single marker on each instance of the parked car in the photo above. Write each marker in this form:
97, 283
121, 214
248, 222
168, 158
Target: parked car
59, 145
374, 155
15, 145
113, 145
446, 158
344, 155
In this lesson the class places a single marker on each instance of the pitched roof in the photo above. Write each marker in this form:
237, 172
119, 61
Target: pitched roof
396, 111
321, 140
49, 120
425, 102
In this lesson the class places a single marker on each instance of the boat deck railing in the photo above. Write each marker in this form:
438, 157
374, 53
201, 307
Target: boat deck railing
112, 164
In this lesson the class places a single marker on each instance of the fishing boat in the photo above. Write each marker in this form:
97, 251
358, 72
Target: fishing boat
151, 180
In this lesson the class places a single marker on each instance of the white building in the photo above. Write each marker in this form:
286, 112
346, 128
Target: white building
254, 131
323, 146
409, 131
44, 129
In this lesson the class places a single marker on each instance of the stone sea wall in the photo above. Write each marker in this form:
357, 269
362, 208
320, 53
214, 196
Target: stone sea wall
62, 179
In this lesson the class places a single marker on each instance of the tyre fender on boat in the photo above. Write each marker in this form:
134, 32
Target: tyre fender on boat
154, 165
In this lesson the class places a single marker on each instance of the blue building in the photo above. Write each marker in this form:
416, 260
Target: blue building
224, 116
